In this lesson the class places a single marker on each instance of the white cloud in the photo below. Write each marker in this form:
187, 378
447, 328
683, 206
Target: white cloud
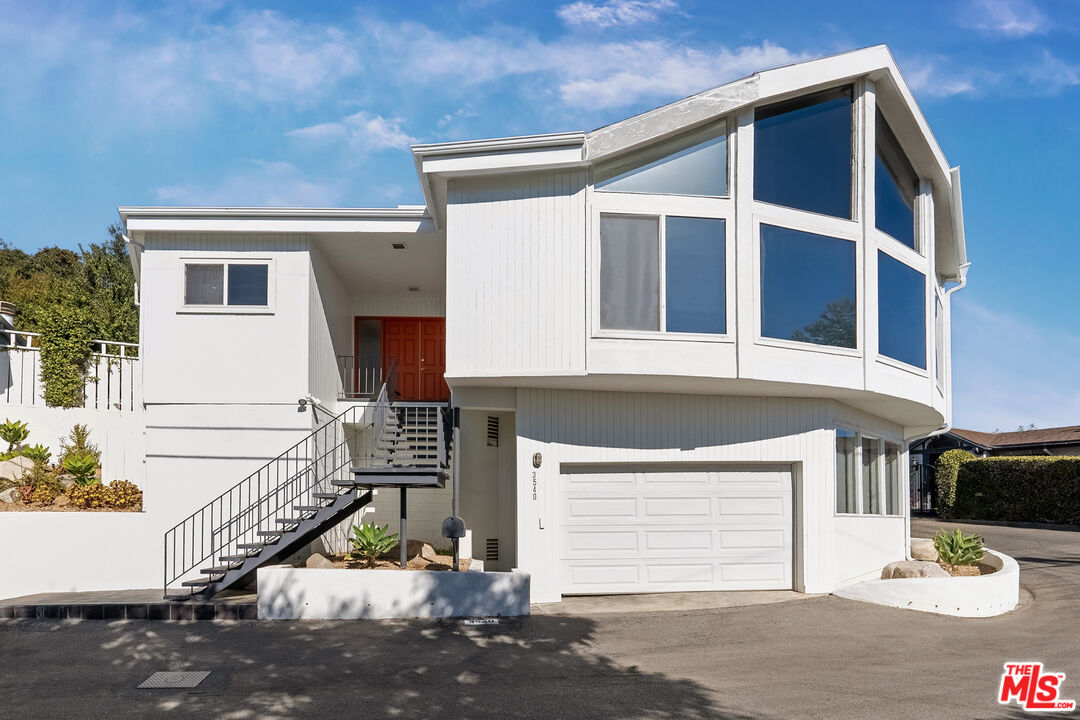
1009, 371
362, 131
1052, 74
613, 12
1012, 18
258, 184
926, 78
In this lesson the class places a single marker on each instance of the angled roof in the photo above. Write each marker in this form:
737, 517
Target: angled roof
1069, 435
435, 162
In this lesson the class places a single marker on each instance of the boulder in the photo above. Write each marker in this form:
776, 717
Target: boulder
913, 569
15, 468
412, 549
11, 495
922, 549
318, 561
61, 501
67, 480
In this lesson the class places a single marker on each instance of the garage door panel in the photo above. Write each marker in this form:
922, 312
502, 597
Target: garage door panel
695, 529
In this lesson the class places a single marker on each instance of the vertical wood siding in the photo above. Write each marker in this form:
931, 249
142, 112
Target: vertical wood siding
329, 329
516, 263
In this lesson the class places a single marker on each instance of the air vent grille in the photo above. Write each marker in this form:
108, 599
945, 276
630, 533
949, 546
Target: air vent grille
493, 431
492, 554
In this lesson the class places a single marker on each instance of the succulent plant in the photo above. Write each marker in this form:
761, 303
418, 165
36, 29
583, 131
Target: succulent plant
957, 549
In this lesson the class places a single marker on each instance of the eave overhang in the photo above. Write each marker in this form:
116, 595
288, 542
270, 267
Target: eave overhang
412, 219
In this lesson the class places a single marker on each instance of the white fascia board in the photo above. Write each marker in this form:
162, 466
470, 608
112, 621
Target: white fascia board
293, 220
511, 161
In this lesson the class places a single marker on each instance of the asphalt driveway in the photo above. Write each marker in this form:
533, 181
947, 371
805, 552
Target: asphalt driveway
820, 657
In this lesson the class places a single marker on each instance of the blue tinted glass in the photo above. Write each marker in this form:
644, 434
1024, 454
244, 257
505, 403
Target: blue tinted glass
901, 312
802, 154
695, 275
807, 287
697, 170
247, 284
894, 188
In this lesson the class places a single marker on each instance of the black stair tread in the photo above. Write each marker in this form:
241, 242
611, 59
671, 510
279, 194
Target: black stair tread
250, 546
271, 533
234, 558
290, 521
197, 582
217, 570
325, 496
308, 508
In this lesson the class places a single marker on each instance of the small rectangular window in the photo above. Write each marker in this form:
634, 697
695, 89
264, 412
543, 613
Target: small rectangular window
684, 166
894, 490
629, 273
695, 275
895, 187
247, 284
871, 479
845, 471
807, 287
803, 151
901, 311
204, 284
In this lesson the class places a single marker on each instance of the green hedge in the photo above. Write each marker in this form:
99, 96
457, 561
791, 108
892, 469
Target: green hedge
945, 477
1025, 489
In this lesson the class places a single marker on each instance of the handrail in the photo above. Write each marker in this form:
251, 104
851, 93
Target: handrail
8, 340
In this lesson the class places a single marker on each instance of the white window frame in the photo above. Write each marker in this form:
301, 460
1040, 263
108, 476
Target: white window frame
940, 349
225, 308
883, 486
659, 208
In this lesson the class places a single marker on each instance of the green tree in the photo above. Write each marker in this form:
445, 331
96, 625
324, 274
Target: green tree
835, 326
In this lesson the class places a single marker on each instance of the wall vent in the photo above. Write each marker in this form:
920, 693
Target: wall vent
492, 553
493, 431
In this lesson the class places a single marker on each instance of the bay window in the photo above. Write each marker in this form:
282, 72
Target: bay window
869, 475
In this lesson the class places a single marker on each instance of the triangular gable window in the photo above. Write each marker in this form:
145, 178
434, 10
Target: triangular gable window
694, 164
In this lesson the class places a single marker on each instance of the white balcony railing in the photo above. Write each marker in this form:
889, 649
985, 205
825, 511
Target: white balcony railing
113, 379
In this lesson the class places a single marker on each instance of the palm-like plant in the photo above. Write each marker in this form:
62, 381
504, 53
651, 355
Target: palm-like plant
13, 432
957, 549
38, 453
369, 541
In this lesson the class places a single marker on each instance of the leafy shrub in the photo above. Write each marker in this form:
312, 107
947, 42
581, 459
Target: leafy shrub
124, 494
65, 354
78, 443
13, 432
370, 541
1020, 489
82, 467
89, 496
44, 494
38, 453
957, 549
945, 477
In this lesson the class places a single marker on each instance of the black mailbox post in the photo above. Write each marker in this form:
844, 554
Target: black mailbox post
453, 527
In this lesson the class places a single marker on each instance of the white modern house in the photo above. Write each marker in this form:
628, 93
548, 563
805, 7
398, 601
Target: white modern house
686, 351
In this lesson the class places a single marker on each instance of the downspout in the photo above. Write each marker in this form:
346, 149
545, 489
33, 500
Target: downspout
961, 278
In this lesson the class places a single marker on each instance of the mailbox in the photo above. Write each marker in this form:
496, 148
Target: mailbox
453, 527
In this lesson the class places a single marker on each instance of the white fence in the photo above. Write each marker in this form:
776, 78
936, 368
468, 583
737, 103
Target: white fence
113, 379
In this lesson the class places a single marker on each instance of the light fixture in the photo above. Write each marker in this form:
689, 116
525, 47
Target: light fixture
398, 245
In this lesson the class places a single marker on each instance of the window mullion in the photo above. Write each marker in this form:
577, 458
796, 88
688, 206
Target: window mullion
662, 264
225, 284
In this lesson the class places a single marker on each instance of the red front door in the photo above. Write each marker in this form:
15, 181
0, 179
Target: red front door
418, 345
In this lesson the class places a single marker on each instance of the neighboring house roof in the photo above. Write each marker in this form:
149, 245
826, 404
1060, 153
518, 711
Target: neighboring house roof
1069, 435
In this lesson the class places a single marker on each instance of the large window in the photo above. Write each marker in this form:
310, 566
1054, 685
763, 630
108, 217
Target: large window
803, 153
226, 284
901, 312
694, 165
807, 287
895, 187
869, 475
663, 273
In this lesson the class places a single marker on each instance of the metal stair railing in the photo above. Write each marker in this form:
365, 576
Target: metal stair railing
236, 516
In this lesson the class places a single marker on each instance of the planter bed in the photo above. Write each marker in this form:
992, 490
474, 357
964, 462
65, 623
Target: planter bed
291, 593
983, 595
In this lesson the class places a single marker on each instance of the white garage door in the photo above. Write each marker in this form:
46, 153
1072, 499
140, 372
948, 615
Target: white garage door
679, 527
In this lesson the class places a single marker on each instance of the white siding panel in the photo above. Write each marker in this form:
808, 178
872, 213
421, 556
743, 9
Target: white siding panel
330, 330
516, 258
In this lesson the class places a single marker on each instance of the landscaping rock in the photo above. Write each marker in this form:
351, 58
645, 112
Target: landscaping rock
67, 480
924, 550
412, 548
11, 495
912, 569
61, 501
15, 468
318, 561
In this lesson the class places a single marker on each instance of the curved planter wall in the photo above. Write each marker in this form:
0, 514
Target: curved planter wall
979, 596
288, 593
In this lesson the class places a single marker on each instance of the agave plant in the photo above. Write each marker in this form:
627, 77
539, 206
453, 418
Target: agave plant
369, 541
38, 453
957, 549
13, 432
82, 467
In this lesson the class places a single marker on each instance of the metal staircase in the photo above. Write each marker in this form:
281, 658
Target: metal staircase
307, 490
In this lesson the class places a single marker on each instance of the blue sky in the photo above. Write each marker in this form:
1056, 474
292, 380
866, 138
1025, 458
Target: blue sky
211, 102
